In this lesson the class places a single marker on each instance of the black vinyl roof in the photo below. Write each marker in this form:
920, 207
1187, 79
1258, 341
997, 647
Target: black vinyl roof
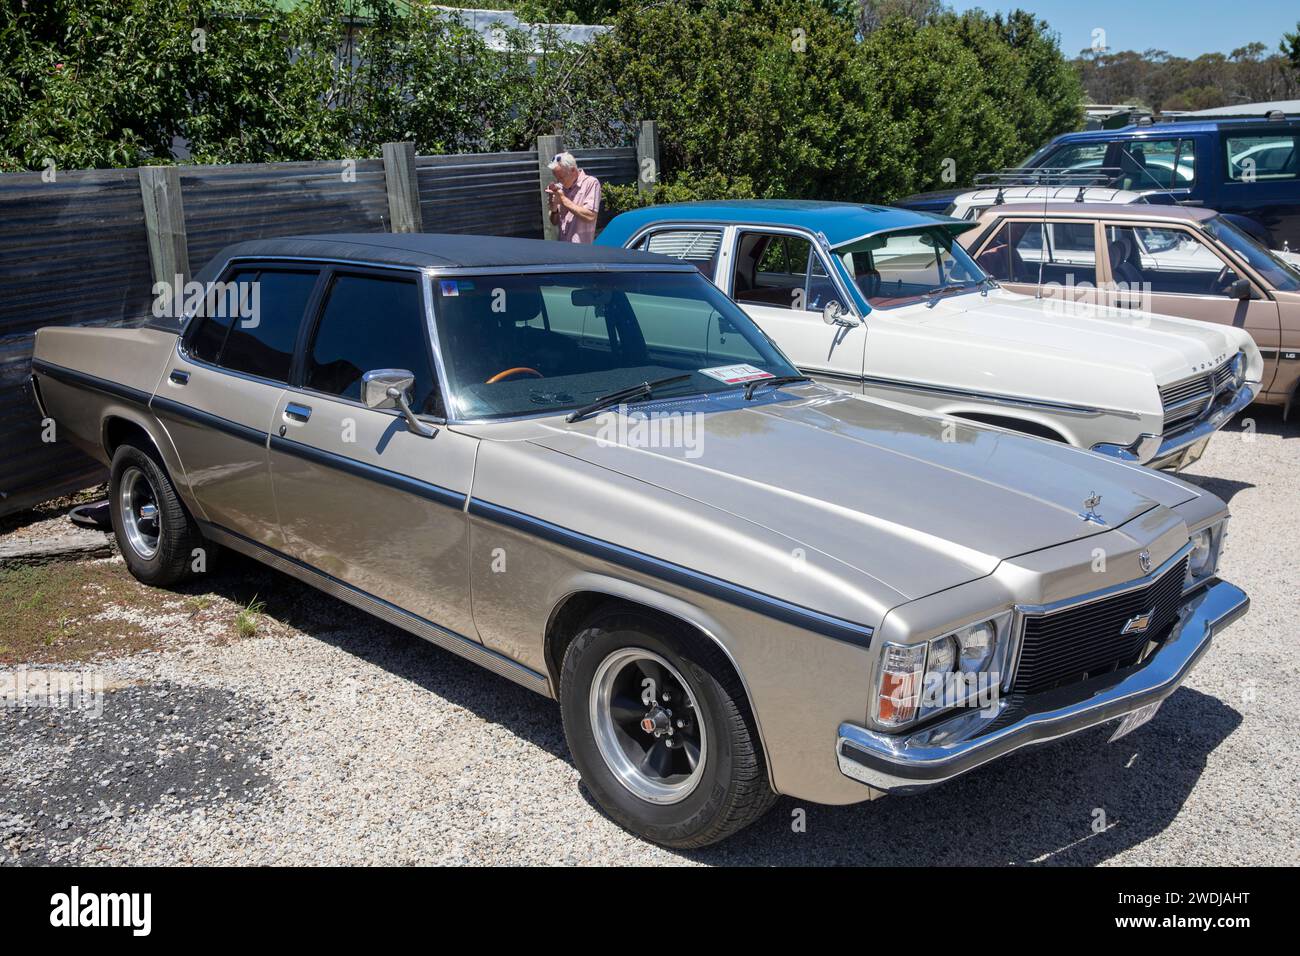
445, 251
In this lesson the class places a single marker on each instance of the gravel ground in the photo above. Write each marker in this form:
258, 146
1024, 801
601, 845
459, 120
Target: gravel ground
330, 737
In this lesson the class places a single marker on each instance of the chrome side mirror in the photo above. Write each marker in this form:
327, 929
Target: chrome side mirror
833, 314
388, 388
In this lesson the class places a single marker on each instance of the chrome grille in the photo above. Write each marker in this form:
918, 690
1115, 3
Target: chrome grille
1075, 643
1186, 401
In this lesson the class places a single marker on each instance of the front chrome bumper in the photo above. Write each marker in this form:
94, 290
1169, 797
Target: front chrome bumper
908, 764
1187, 446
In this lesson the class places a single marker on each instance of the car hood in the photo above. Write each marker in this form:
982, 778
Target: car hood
918, 502
1173, 348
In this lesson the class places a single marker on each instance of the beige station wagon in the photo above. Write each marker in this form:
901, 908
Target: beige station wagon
1172, 260
588, 471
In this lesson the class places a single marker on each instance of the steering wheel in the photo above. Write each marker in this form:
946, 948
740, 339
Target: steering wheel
512, 372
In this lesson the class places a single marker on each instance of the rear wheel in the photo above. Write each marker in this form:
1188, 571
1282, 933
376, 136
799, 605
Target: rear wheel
156, 535
660, 730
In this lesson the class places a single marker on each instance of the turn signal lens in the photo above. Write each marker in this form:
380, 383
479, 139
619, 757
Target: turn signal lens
902, 668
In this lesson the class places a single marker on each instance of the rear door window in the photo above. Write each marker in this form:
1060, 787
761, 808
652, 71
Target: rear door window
261, 342
1157, 164
699, 247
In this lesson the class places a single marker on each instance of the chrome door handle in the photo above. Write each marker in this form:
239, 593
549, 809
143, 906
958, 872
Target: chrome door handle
179, 377
295, 412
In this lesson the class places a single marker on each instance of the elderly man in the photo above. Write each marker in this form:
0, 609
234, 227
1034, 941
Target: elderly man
574, 199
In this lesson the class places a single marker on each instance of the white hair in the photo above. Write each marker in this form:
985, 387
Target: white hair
563, 159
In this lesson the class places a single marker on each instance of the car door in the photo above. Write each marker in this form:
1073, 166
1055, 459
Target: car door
779, 277
360, 496
1261, 179
1171, 270
1057, 255
223, 387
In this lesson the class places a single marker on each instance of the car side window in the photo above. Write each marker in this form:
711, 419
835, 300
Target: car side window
699, 247
1018, 253
1157, 164
1270, 156
1166, 261
368, 323
1079, 157
780, 271
207, 331
261, 342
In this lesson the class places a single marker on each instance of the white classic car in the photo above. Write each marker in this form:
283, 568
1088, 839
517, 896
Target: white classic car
884, 302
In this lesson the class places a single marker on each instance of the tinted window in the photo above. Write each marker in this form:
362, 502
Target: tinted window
1269, 156
371, 323
262, 338
211, 323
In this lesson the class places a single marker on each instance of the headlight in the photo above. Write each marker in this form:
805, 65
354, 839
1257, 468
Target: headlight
977, 643
1203, 560
1238, 371
919, 680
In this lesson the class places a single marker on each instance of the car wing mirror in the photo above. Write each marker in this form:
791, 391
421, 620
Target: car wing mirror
389, 388
1240, 289
833, 314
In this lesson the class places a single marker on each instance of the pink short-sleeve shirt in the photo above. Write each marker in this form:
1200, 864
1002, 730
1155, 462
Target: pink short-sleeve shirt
585, 191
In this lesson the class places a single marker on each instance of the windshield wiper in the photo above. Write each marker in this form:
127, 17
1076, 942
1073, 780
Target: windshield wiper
933, 295
775, 382
631, 393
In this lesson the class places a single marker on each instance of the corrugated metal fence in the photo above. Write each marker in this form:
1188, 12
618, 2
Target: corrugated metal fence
74, 251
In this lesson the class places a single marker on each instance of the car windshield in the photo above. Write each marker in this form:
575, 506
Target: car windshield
897, 268
1279, 274
540, 343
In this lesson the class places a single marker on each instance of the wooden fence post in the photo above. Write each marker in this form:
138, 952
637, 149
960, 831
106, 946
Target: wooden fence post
403, 188
547, 147
164, 223
647, 156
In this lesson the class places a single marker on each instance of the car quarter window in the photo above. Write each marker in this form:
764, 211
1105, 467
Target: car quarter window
372, 322
780, 271
1166, 261
1263, 156
251, 320
699, 247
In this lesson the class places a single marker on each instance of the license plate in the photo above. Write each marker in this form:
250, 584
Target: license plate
1133, 721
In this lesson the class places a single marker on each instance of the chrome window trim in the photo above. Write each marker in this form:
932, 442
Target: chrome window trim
997, 399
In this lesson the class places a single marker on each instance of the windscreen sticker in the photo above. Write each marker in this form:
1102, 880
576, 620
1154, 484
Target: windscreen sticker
449, 287
736, 374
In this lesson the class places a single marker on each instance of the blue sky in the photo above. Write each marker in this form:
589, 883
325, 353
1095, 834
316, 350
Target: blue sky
1182, 27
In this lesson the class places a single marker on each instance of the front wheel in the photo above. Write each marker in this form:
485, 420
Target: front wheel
661, 731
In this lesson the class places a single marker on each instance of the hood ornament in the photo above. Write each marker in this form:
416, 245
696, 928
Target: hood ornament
1144, 560
1089, 512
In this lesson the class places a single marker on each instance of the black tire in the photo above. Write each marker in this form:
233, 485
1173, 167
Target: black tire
733, 790
177, 534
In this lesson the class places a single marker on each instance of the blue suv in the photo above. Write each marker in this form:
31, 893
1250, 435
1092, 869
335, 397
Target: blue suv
1249, 168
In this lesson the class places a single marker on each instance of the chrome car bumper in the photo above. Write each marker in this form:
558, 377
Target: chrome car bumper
908, 764
1187, 446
